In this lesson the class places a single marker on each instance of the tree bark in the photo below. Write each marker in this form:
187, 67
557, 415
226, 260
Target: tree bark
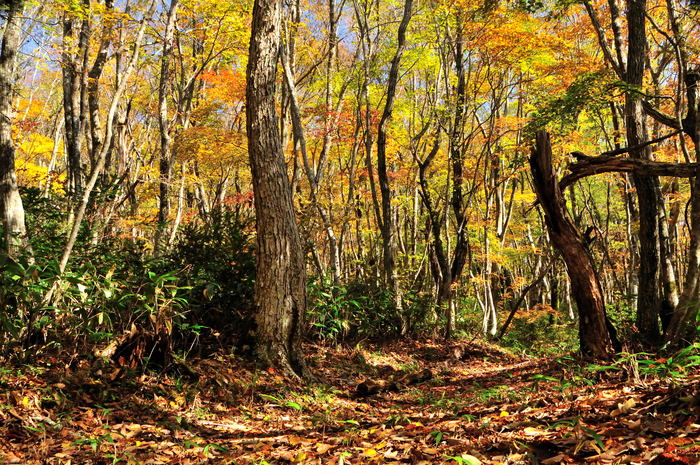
648, 188
72, 84
280, 284
595, 334
93, 84
590, 166
10, 200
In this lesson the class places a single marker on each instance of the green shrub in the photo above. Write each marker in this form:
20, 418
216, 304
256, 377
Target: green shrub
217, 263
346, 312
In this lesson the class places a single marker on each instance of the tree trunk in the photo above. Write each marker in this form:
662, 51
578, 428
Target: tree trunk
648, 189
280, 284
10, 200
93, 84
362, 15
71, 106
594, 335
389, 229
681, 322
166, 140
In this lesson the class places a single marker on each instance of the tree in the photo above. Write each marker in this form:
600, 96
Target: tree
388, 226
166, 139
648, 189
102, 155
658, 296
280, 285
10, 200
74, 69
595, 335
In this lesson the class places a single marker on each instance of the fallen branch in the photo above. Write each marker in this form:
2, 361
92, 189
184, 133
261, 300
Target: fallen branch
370, 387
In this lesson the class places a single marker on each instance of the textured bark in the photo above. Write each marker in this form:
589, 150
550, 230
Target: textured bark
10, 200
72, 72
648, 188
280, 284
595, 334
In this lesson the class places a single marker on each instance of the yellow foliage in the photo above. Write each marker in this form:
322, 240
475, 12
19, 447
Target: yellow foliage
33, 109
31, 174
213, 148
37, 147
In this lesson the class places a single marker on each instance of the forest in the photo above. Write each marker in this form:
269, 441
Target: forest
350, 231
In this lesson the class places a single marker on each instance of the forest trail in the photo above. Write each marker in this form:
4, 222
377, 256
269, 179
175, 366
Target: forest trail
484, 407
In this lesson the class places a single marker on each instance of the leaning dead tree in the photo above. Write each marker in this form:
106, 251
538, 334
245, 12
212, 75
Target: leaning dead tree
596, 335
589, 166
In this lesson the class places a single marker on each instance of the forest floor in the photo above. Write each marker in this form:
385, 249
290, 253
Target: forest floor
481, 405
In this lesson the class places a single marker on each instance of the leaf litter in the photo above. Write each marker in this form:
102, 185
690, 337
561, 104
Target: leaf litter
480, 406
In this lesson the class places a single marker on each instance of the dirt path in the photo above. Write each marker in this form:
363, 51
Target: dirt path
486, 407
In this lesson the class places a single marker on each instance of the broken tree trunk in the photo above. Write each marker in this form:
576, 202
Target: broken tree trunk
596, 335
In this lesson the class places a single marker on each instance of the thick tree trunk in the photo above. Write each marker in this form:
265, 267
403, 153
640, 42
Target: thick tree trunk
594, 335
648, 189
280, 284
10, 200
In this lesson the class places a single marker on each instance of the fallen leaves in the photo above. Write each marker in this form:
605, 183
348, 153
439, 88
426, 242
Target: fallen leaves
472, 412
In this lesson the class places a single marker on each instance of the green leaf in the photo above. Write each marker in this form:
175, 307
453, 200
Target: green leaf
595, 436
294, 405
603, 368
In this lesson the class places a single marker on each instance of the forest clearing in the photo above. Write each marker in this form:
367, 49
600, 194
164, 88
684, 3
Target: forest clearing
350, 231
